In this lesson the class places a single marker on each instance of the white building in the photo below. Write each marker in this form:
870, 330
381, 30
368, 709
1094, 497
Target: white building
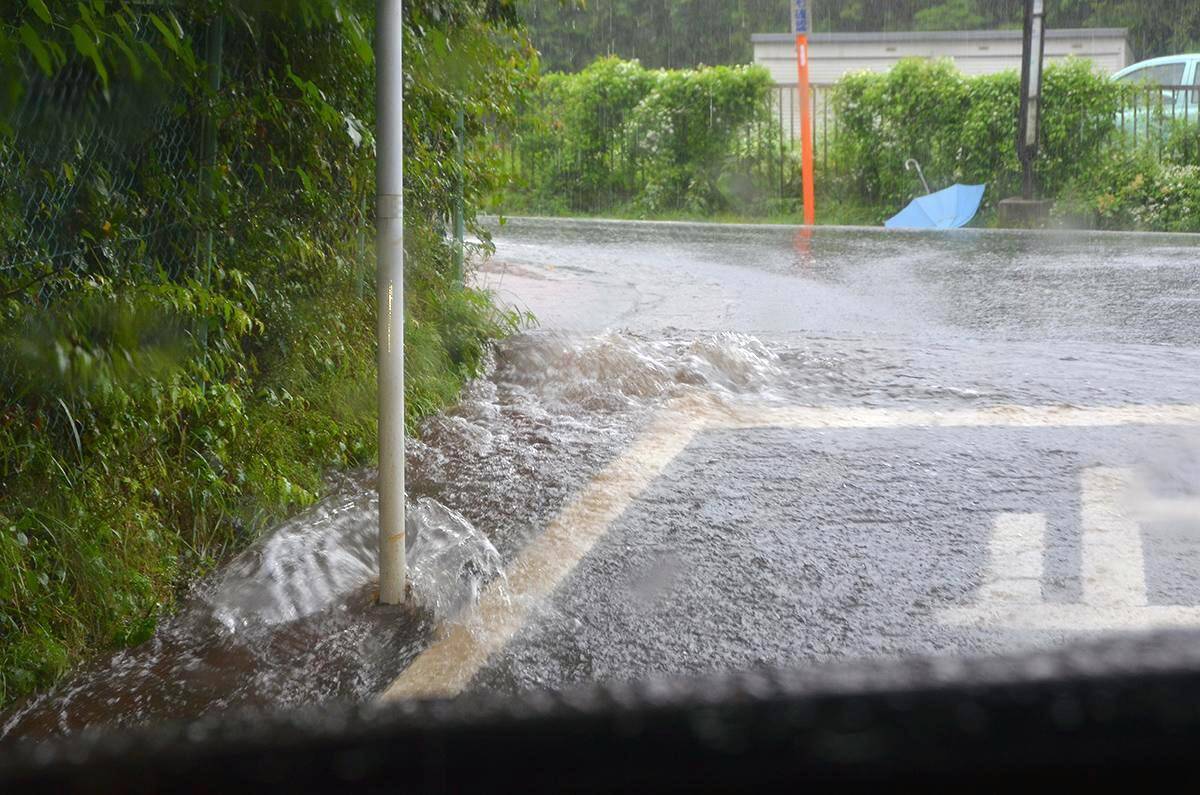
974, 52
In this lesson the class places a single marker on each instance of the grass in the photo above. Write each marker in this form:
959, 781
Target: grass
833, 213
132, 462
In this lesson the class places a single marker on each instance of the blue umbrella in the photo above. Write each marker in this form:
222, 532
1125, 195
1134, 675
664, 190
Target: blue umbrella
947, 209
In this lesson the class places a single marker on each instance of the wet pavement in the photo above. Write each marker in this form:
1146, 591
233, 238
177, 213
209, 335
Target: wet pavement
785, 545
728, 447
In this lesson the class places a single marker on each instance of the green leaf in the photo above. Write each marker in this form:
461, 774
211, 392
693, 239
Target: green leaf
87, 47
306, 179
85, 14
168, 35
60, 55
33, 43
39, 8
359, 39
83, 42
175, 22
152, 55
135, 66
173, 35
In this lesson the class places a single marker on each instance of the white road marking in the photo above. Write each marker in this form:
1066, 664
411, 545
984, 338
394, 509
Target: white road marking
449, 664
1017, 551
1113, 566
833, 417
1113, 506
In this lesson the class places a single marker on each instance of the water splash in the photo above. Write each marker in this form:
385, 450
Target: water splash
449, 560
300, 568
621, 370
331, 550
292, 620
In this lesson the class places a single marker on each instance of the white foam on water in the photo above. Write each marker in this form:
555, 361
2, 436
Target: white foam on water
331, 550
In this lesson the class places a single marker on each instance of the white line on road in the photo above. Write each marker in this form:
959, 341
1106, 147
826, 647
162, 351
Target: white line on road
1112, 562
1017, 549
1113, 566
449, 664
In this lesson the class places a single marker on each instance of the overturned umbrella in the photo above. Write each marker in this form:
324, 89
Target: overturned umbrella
946, 209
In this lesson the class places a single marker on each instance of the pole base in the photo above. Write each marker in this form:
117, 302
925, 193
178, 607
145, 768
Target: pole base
407, 599
1018, 213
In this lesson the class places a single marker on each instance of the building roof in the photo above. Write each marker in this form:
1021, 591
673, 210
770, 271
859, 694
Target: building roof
938, 35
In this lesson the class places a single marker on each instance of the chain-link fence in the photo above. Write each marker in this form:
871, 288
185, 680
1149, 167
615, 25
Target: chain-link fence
97, 172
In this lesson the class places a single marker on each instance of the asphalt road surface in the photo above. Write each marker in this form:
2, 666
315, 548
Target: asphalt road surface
727, 447
953, 444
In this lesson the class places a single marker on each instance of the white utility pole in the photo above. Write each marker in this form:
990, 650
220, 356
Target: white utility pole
389, 248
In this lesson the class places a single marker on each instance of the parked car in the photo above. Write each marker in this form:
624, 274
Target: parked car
1177, 78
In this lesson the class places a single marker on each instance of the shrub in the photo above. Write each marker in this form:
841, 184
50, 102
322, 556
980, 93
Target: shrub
963, 129
1140, 187
654, 140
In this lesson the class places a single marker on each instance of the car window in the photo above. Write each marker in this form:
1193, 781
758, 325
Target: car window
1168, 74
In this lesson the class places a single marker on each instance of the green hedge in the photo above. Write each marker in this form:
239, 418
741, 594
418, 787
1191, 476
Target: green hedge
616, 135
963, 129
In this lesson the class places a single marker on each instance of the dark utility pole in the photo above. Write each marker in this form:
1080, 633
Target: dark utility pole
1031, 91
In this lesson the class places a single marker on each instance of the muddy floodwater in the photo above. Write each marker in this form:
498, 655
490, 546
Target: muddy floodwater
886, 417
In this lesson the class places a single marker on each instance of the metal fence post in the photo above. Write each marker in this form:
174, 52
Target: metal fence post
389, 166
215, 46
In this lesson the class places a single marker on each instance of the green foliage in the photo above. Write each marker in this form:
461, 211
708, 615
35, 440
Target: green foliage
655, 140
916, 110
1140, 187
963, 129
949, 15
159, 408
1160, 27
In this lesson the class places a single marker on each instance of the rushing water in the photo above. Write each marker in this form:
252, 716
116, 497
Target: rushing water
292, 620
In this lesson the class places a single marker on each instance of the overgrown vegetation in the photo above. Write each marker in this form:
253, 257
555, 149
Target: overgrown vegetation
158, 407
628, 139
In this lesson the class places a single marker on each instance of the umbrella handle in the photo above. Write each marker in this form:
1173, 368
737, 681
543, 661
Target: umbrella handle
910, 164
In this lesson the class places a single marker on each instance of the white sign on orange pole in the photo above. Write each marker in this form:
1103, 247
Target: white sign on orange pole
806, 126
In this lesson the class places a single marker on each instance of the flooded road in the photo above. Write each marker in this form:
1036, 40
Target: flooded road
966, 444
728, 447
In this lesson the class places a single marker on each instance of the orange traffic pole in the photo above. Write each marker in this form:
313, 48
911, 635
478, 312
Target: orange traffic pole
806, 130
